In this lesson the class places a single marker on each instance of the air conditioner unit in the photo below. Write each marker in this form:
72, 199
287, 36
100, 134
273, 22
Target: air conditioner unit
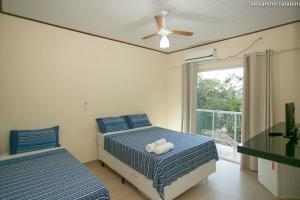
202, 55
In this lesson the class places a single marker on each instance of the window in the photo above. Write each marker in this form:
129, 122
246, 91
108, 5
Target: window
219, 108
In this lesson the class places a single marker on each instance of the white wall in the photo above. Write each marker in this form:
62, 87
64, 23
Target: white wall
47, 73
286, 72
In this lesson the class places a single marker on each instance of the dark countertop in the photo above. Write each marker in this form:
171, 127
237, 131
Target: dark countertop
278, 148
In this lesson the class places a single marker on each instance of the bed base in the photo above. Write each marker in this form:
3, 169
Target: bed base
144, 185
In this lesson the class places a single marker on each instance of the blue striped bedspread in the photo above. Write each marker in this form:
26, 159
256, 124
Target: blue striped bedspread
190, 152
54, 174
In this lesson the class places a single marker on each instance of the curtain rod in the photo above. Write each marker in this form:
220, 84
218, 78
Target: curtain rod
280, 51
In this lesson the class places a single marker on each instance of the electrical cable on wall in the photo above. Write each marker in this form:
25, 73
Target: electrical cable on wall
251, 45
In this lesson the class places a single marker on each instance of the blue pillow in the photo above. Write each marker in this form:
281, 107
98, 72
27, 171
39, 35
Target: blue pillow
109, 124
135, 121
31, 140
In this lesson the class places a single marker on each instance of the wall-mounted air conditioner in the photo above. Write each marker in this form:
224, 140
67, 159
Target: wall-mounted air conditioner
202, 55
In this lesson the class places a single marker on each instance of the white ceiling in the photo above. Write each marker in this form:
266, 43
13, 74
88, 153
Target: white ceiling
130, 20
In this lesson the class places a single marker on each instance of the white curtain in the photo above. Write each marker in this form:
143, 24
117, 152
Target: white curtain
189, 97
257, 105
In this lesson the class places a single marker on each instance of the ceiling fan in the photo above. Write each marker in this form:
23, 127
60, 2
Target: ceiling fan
164, 32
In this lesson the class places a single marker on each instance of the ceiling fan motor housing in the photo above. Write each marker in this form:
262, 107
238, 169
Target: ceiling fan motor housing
164, 31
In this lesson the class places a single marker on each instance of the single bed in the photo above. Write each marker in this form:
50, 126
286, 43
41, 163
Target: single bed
48, 174
162, 176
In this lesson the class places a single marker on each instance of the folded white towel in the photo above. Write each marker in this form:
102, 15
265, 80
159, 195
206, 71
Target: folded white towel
160, 142
163, 148
150, 147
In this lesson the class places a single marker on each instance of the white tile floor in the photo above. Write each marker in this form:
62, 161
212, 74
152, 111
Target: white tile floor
228, 153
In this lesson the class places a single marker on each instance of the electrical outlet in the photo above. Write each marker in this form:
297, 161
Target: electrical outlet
85, 105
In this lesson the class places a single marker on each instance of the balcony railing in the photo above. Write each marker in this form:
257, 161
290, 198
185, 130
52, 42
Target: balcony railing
223, 126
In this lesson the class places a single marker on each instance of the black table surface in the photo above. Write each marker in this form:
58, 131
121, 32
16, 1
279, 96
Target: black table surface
276, 148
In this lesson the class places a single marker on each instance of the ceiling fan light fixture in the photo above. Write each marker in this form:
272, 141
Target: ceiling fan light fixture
163, 31
164, 42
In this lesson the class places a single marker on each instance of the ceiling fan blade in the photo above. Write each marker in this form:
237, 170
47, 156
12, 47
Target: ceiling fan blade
185, 33
159, 21
149, 36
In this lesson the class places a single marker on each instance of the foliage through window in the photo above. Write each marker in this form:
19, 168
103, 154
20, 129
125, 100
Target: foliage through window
218, 94
219, 103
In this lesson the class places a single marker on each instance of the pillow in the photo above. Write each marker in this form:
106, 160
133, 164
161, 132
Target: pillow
109, 124
31, 140
135, 121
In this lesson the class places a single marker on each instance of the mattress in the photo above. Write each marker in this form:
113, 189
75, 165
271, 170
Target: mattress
48, 174
190, 152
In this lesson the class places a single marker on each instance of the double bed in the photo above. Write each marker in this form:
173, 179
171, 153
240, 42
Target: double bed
48, 174
162, 176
